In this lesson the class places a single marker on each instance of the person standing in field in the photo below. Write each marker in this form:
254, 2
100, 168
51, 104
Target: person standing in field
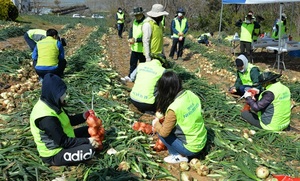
282, 24
179, 27
120, 17
246, 36
136, 42
153, 31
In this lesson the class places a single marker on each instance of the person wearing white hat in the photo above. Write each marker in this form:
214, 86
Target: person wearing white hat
153, 31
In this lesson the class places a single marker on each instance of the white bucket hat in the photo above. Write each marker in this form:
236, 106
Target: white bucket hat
157, 10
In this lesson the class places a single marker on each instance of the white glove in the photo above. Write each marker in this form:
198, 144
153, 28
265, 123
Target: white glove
153, 123
247, 94
93, 142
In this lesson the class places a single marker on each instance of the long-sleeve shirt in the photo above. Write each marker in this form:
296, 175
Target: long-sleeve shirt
60, 47
176, 31
267, 98
52, 127
167, 126
130, 35
254, 73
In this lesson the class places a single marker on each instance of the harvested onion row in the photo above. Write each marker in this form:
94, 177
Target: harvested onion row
141, 126
96, 129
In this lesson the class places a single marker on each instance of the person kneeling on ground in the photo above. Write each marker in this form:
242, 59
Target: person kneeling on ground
203, 38
247, 76
52, 128
49, 56
143, 93
273, 106
183, 131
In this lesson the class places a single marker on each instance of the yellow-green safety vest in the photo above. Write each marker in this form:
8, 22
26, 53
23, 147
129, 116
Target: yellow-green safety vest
148, 74
156, 42
276, 116
179, 27
201, 37
120, 15
45, 145
247, 32
282, 31
47, 52
37, 34
246, 76
256, 33
137, 33
190, 127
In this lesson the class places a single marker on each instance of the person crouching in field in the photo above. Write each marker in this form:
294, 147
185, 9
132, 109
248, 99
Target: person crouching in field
182, 131
58, 143
49, 55
273, 107
144, 91
246, 76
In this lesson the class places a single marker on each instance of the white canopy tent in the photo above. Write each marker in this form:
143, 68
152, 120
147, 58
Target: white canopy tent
258, 2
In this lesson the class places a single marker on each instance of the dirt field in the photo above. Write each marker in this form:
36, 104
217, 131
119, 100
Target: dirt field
118, 53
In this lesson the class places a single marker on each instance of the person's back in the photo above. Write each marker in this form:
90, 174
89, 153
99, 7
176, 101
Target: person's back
276, 116
143, 93
32, 36
147, 75
48, 55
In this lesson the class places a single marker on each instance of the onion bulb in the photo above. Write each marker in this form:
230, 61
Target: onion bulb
184, 166
262, 172
195, 163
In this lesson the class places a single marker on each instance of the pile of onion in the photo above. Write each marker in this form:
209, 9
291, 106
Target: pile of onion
141, 126
159, 145
95, 129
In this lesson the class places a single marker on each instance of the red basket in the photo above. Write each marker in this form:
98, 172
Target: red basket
285, 178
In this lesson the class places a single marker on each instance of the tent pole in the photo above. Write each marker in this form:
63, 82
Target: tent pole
279, 38
219, 38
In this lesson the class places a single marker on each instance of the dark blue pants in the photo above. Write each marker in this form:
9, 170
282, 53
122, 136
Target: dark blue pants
120, 27
176, 43
58, 71
134, 58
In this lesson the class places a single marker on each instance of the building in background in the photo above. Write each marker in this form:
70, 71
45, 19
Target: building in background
22, 5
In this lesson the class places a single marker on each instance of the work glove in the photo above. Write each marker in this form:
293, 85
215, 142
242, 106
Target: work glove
131, 41
88, 113
153, 123
247, 94
232, 90
93, 142
254, 90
